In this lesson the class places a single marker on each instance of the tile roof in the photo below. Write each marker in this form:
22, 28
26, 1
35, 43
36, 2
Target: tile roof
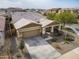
2, 23
36, 17
27, 15
22, 22
44, 22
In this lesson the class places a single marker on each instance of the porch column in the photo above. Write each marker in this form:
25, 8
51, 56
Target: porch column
19, 34
43, 31
52, 29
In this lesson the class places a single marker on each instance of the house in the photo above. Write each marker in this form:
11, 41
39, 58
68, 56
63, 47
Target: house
2, 30
29, 24
27, 28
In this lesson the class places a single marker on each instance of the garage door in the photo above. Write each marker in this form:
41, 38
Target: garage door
32, 33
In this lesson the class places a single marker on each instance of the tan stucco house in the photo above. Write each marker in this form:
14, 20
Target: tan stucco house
29, 24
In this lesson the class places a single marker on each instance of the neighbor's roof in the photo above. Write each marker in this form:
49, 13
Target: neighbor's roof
2, 23
74, 54
22, 22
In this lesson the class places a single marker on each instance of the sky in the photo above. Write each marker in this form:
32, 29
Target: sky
46, 4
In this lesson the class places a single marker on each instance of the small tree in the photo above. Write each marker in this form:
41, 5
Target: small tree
66, 17
22, 45
63, 18
51, 16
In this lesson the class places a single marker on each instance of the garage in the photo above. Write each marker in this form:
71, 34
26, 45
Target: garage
26, 28
31, 33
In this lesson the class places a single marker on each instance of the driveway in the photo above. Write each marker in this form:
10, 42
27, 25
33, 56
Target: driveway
38, 48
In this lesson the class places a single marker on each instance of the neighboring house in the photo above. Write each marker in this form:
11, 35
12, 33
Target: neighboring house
53, 10
32, 22
2, 30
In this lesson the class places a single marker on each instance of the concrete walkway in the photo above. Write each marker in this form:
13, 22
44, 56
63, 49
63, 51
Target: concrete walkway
38, 48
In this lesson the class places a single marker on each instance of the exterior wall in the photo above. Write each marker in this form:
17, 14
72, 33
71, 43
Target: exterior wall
29, 29
19, 34
2, 37
28, 32
43, 30
32, 33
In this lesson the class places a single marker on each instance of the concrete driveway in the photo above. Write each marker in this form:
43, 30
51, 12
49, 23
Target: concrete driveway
38, 48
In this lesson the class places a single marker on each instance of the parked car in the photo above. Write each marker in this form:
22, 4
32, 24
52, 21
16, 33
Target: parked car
72, 28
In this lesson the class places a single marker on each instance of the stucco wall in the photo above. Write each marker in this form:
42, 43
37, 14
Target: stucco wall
29, 31
2, 38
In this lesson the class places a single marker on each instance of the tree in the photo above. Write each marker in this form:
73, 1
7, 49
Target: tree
51, 16
65, 17
22, 45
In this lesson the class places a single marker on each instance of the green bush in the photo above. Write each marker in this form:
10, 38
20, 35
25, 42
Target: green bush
22, 45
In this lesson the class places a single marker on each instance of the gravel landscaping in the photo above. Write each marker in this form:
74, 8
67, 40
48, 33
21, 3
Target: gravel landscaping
61, 46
